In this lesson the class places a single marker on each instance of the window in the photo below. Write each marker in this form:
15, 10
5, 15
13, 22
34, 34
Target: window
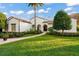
33, 26
13, 27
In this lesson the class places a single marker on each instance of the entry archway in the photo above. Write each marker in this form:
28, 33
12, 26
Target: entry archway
44, 27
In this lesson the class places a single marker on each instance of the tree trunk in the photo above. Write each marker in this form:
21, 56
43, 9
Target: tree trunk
35, 17
62, 32
19, 26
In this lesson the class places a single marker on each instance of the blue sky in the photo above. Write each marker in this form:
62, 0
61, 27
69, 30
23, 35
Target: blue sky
21, 10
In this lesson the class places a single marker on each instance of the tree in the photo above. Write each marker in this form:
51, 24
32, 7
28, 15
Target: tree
3, 21
35, 5
62, 21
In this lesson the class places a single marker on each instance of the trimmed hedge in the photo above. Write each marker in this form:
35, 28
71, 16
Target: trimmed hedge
65, 34
12, 34
17, 34
78, 29
31, 31
52, 32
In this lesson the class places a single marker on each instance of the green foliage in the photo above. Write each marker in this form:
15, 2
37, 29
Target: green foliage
62, 21
15, 34
50, 30
5, 35
3, 20
64, 34
34, 31
78, 28
35, 4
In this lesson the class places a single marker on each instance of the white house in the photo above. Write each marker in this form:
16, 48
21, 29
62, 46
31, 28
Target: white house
19, 25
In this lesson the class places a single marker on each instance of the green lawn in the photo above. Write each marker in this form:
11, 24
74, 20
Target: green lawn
26, 35
44, 45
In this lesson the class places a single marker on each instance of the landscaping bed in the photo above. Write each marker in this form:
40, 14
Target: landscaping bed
17, 34
65, 34
70, 34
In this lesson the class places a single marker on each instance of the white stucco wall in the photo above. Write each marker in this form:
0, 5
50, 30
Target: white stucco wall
40, 21
12, 21
23, 25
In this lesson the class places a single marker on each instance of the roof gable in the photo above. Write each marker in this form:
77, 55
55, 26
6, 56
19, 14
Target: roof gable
39, 17
19, 19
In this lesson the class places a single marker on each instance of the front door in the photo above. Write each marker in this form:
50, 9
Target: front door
45, 28
13, 27
0, 29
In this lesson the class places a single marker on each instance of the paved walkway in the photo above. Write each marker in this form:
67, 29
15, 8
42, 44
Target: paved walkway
17, 39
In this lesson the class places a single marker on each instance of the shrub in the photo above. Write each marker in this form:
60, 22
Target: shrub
12, 34
5, 36
77, 28
65, 34
39, 31
50, 30
18, 34
32, 31
1, 34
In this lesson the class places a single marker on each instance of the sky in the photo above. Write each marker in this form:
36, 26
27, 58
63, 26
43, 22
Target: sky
47, 11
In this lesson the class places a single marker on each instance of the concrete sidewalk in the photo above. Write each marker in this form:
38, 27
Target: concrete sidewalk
17, 39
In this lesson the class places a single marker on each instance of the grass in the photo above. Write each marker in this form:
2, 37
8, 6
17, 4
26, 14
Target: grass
26, 35
47, 45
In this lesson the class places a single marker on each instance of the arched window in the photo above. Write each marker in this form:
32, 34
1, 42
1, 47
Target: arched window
38, 27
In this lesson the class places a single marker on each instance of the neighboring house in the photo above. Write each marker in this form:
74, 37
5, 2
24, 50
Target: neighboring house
19, 25
75, 16
73, 24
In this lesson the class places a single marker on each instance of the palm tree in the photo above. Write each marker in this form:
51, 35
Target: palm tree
35, 5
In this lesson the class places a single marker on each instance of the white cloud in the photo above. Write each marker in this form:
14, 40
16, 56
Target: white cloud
72, 4
42, 11
48, 8
30, 12
72, 12
68, 9
5, 13
39, 11
17, 12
